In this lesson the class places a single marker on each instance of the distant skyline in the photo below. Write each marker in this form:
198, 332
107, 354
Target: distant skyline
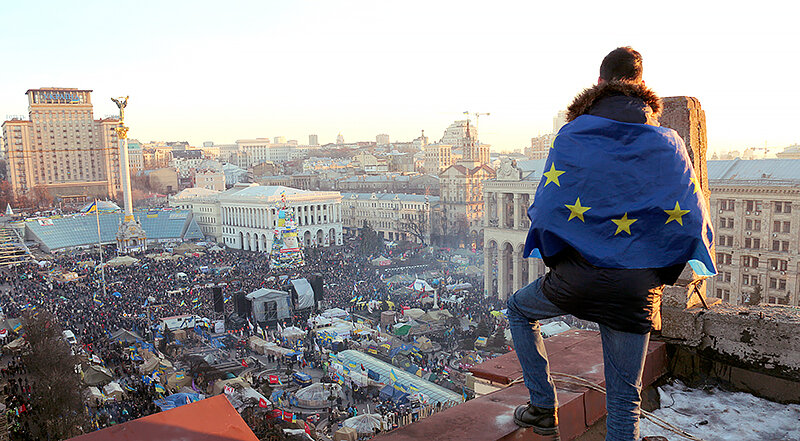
210, 71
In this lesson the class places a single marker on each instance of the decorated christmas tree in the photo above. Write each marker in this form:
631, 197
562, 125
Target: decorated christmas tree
286, 250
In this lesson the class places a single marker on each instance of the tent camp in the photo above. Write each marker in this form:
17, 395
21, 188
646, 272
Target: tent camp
390, 393
424, 344
257, 345
270, 305
94, 396
94, 375
125, 336
402, 328
318, 395
345, 434
436, 316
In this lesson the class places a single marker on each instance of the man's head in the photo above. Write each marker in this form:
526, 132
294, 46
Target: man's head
622, 64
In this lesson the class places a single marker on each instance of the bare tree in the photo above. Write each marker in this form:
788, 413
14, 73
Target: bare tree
417, 227
57, 409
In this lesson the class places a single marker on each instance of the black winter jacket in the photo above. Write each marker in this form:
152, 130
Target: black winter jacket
622, 299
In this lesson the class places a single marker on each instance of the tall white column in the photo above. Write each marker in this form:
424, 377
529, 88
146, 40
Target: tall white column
517, 211
486, 214
502, 273
501, 210
126, 173
487, 269
517, 263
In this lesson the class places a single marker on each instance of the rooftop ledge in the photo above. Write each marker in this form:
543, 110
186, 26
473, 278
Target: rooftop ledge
749, 348
489, 417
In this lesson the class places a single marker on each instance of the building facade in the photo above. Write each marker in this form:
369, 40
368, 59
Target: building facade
245, 216
506, 201
61, 147
461, 199
394, 216
755, 209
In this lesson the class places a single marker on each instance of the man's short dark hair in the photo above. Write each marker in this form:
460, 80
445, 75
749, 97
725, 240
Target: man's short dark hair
622, 64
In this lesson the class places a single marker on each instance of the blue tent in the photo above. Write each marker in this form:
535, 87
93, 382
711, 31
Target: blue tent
176, 400
390, 393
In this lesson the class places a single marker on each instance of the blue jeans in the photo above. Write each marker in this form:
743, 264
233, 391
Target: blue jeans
623, 359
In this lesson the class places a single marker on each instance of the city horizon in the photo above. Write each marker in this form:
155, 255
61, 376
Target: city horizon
198, 74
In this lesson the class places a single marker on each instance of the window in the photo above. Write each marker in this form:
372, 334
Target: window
752, 243
782, 207
726, 204
726, 276
782, 284
787, 227
752, 225
745, 279
776, 245
773, 283
750, 261
724, 258
725, 241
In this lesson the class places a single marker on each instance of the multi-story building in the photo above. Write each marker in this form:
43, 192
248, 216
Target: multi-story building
461, 198
61, 147
540, 146
506, 199
135, 156
394, 216
437, 157
382, 139
245, 216
255, 151
209, 179
559, 121
755, 209
313, 140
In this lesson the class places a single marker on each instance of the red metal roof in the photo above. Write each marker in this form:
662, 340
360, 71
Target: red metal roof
212, 419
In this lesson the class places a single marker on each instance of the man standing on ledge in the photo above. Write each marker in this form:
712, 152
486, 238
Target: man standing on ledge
617, 215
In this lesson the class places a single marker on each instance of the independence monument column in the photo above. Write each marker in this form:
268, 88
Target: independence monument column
131, 236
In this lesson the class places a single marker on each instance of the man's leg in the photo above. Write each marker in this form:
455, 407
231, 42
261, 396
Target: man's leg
525, 308
623, 356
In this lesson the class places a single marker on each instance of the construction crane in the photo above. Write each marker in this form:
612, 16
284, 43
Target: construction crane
477, 116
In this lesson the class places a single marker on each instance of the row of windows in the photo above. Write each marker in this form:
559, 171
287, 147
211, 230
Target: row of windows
753, 205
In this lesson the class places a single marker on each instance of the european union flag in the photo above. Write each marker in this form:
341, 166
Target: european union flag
624, 196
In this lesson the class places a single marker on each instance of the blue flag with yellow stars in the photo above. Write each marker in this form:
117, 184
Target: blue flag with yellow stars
624, 196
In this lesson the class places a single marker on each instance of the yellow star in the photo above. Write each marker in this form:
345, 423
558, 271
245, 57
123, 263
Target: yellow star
696, 183
676, 214
553, 144
623, 224
577, 211
552, 175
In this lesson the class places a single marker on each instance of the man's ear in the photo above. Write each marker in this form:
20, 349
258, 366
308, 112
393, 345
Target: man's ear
600, 80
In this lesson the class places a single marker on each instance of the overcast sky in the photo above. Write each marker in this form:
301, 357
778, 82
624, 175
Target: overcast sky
226, 70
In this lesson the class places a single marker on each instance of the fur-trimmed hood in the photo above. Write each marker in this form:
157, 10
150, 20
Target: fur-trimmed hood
586, 99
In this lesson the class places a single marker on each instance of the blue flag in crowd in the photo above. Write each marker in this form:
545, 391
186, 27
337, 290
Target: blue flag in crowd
624, 196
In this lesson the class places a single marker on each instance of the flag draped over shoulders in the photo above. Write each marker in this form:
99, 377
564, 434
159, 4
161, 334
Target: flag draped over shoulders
624, 196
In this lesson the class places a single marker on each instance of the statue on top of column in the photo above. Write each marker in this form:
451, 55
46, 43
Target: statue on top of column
121, 103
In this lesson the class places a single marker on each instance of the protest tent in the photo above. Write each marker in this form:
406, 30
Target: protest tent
292, 333
413, 313
381, 261
94, 375
421, 285
114, 391
177, 400
334, 313
178, 379
402, 328
345, 434
235, 382
94, 396
15, 345
126, 336
424, 344
122, 261
390, 393
318, 395
365, 424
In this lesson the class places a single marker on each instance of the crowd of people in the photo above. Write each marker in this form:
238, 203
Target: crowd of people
103, 300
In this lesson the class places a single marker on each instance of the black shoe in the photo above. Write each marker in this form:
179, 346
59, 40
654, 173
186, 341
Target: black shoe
542, 420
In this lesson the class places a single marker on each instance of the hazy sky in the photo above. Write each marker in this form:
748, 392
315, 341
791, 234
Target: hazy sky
226, 70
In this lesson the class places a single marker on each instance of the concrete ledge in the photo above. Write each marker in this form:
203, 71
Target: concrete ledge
490, 417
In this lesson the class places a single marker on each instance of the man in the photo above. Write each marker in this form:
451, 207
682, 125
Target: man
616, 216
